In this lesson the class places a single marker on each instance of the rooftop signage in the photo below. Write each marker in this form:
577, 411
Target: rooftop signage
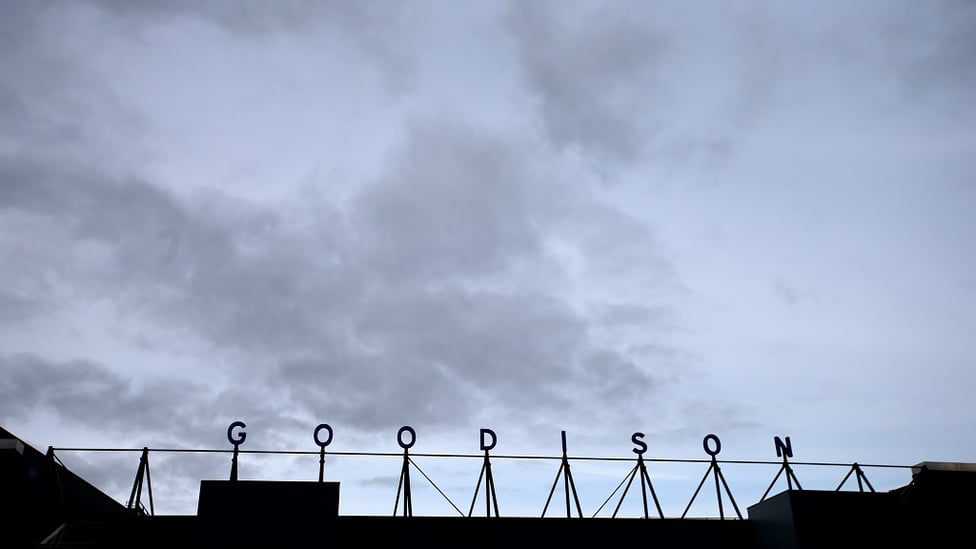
323, 435
406, 437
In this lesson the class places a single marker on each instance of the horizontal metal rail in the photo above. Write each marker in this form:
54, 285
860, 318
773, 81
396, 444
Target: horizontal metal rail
477, 456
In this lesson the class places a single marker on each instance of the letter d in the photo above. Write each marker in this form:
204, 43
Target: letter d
494, 439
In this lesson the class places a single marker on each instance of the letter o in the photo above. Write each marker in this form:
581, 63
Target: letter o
230, 433
413, 436
322, 427
718, 445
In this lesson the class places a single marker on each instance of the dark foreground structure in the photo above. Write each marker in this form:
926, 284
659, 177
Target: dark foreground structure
46, 505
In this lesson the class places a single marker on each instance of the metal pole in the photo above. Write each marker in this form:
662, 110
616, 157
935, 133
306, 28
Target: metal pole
321, 463
643, 473
233, 463
718, 491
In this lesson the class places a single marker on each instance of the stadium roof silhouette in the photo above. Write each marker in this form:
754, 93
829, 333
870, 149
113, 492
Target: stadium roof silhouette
45, 504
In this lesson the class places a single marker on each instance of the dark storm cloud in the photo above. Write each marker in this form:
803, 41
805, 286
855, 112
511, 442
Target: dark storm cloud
453, 204
934, 49
871, 54
436, 294
595, 76
370, 29
393, 308
158, 410
229, 269
12, 307
258, 16
36, 76
409, 303
682, 86
433, 356
86, 393
629, 314
636, 82
20, 22
441, 322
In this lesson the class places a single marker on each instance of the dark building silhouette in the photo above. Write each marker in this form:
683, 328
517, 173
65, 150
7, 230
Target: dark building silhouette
45, 504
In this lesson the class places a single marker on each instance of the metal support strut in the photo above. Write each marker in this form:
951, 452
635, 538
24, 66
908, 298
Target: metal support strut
404, 486
233, 463
717, 471
861, 478
135, 498
790, 478
322, 464
567, 483
640, 469
490, 498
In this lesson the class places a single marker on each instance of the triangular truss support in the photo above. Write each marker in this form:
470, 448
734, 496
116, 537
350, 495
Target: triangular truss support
53, 463
862, 479
142, 475
404, 487
790, 478
646, 485
569, 485
719, 477
491, 500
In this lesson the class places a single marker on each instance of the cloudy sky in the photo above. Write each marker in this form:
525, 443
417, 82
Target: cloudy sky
753, 219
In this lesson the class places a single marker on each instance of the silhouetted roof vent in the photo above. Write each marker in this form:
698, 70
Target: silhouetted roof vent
12, 444
943, 466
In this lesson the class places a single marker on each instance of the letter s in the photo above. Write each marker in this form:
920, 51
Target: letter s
641, 445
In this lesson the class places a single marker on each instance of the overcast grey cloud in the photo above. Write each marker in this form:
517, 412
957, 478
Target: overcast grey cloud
674, 218
88, 394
